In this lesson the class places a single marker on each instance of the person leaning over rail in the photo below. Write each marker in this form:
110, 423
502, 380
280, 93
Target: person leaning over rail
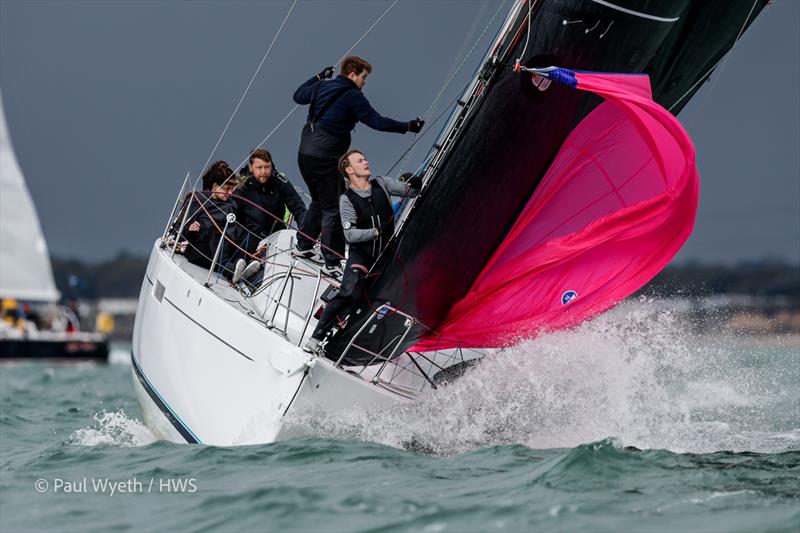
265, 195
335, 107
208, 212
368, 221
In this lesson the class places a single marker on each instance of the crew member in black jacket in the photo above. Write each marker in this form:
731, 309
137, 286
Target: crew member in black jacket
368, 221
264, 198
335, 107
208, 212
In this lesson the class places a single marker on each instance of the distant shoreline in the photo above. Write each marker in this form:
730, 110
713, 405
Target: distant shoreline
759, 299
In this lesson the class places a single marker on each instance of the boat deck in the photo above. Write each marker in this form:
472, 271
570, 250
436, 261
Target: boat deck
286, 298
283, 296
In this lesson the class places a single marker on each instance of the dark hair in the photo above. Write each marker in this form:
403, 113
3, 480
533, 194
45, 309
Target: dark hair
356, 65
218, 173
260, 153
344, 161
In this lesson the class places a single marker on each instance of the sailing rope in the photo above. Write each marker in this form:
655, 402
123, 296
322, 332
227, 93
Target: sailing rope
527, 39
723, 60
252, 79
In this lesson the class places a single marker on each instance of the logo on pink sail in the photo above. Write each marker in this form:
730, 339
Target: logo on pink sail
568, 297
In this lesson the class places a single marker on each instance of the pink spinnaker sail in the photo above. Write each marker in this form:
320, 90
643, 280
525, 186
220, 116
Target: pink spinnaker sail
615, 206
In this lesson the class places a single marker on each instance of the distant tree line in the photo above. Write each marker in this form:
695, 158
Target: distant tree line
764, 278
121, 277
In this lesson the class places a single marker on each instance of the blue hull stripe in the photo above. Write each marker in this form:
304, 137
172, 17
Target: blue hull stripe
185, 432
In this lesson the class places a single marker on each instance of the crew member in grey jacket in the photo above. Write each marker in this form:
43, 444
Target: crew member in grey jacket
368, 221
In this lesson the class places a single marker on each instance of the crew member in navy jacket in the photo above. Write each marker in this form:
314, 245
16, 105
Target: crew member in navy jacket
264, 198
335, 107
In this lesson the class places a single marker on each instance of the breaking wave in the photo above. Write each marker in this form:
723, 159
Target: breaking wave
637, 374
114, 428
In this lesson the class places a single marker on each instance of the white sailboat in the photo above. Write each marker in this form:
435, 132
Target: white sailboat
27, 276
221, 364
216, 365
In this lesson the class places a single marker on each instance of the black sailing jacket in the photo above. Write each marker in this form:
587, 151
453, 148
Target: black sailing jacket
274, 196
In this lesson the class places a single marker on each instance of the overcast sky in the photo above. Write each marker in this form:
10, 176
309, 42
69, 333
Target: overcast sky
110, 104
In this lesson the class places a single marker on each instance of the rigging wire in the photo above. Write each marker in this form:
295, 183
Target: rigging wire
252, 79
447, 84
723, 60
367, 32
286, 117
291, 112
419, 137
463, 61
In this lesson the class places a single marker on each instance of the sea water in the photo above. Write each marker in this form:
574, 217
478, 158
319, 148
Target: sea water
628, 423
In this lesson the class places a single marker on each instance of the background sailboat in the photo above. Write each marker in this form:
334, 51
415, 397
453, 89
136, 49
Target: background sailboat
26, 273
27, 276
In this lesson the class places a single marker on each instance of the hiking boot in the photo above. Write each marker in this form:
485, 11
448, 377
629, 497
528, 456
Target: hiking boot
312, 346
238, 270
308, 255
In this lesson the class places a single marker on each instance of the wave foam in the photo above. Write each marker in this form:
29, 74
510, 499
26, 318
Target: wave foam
636, 373
114, 428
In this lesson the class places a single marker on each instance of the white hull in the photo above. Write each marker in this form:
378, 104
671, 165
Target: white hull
208, 369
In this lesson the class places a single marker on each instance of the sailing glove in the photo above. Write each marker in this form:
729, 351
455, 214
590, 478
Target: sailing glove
415, 126
326, 74
415, 182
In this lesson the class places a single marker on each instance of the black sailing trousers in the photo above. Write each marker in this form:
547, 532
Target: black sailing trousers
350, 295
325, 185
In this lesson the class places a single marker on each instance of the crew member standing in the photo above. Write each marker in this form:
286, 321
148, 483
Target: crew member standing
335, 107
368, 221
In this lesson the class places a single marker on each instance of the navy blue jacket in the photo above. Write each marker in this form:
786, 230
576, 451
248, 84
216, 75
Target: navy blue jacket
274, 196
351, 108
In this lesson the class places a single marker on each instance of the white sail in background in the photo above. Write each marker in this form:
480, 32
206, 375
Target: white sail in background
25, 271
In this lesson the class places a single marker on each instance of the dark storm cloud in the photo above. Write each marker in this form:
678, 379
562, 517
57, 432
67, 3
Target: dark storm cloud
109, 104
